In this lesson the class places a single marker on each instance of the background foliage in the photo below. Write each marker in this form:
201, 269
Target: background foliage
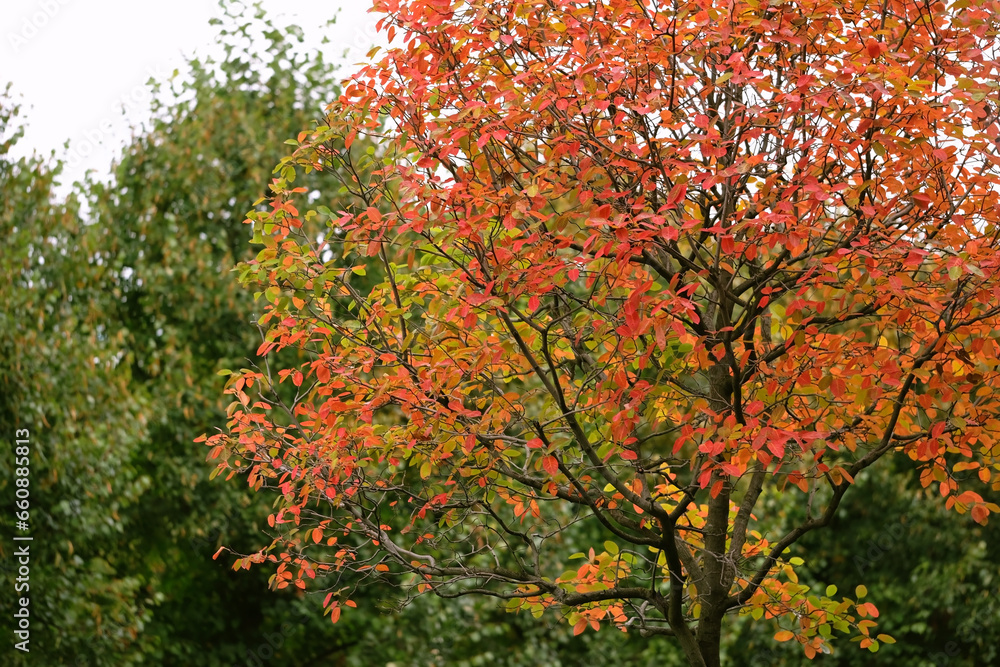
118, 307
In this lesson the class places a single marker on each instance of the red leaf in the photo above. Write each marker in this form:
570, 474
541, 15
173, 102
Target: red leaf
838, 388
873, 47
677, 193
980, 514
776, 448
550, 465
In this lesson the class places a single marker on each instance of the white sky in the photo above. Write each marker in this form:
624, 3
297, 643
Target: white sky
74, 64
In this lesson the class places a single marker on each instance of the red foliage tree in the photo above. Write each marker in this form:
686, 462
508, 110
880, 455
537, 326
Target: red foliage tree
618, 271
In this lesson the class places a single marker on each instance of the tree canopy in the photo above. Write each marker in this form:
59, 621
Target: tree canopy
601, 309
118, 309
59, 380
638, 267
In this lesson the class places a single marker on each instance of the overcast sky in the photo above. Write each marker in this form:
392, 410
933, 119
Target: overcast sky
74, 64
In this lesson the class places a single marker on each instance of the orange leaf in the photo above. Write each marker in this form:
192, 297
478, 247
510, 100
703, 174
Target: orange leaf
873, 47
980, 514
550, 465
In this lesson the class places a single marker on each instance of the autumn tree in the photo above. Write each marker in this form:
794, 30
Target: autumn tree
621, 274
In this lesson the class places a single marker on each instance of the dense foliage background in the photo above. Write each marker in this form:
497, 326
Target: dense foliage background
117, 309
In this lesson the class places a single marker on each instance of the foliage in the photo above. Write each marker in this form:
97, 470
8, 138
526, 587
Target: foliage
127, 575
470, 632
60, 380
170, 223
116, 316
935, 578
640, 267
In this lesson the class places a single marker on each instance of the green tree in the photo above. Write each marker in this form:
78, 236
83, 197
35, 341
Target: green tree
61, 379
171, 221
116, 317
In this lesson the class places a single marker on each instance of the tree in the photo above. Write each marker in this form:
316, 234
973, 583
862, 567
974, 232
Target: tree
138, 276
118, 307
650, 274
169, 224
61, 383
